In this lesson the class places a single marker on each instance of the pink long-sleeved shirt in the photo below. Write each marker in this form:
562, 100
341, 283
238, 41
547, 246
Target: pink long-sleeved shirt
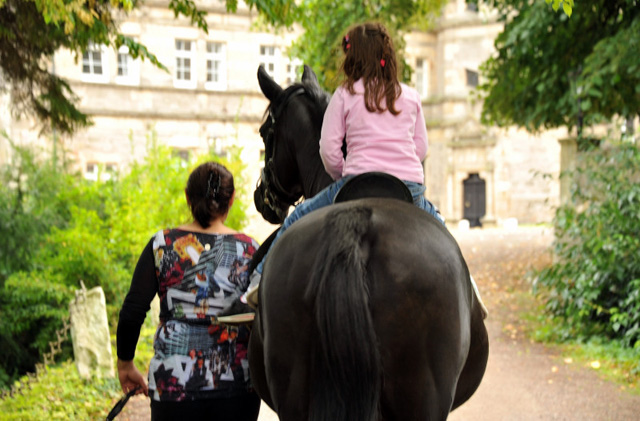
375, 141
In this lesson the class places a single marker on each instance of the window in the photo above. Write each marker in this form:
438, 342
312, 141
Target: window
216, 66
94, 64
183, 154
128, 68
472, 7
293, 68
472, 78
219, 147
185, 72
98, 171
268, 59
422, 77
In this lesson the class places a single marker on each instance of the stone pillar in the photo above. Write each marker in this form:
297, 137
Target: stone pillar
568, 153
90, 334
488, 175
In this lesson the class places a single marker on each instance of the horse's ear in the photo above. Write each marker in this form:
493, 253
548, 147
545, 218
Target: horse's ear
308, 76
269, 87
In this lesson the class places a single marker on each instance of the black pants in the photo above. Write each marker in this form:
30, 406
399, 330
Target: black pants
243, 408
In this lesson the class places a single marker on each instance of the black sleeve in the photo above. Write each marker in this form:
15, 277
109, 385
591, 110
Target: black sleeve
144, 286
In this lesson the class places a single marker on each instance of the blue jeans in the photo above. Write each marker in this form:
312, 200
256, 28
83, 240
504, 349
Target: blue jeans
325, 198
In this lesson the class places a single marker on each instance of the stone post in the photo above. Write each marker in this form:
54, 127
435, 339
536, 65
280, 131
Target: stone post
90, 333
568, 153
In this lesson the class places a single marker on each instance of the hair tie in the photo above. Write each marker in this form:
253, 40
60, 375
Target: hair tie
382, 62
213, 187
345, 43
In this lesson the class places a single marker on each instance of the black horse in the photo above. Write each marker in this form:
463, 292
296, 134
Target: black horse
366, 310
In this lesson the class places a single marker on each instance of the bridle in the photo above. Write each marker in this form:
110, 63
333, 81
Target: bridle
269, 191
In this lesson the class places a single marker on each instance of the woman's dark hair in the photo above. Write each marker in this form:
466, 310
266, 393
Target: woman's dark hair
209, 190
369, 55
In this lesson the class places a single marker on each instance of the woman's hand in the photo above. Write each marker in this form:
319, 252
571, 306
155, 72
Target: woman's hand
130, 378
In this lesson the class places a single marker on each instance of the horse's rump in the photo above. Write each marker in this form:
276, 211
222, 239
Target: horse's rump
355, 294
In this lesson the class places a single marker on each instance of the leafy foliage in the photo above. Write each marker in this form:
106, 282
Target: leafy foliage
611, 84
61, 394
33, 307
554, 71
31, 31
567, 5
30, 204
594, 286
325, 22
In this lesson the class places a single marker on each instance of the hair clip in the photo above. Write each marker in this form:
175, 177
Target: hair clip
213, 187
346, 43
382, 62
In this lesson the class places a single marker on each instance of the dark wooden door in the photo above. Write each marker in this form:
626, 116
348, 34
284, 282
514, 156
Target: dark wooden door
474, 191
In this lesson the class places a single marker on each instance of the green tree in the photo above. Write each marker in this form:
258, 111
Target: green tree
31, 31
31, 203
324, 23
567, 5
552, 71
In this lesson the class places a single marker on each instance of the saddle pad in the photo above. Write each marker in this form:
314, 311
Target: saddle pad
237, 319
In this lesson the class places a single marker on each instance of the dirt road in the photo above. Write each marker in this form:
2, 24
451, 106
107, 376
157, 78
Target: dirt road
524, 380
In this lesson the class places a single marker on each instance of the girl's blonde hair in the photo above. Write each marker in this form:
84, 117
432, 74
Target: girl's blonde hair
370, 56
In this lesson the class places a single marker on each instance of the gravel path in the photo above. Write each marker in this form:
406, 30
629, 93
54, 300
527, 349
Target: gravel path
524, 380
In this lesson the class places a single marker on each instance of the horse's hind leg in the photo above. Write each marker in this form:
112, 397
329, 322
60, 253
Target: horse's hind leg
420, 373
290, 388
476, 363
256, 364
414, 399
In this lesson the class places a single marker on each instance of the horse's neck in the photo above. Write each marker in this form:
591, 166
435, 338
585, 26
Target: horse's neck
311, 170
313, 176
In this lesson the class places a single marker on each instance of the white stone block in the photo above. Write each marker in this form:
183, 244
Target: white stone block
510, 224
90, 334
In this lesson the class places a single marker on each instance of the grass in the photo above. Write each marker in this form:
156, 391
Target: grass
60, 394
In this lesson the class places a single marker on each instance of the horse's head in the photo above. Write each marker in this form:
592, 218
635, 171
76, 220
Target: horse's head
290, 133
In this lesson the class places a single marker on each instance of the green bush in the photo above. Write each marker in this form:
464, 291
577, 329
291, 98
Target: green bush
593, 287
31, 204
33, 307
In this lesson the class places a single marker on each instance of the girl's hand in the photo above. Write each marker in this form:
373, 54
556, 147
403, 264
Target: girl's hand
130, 378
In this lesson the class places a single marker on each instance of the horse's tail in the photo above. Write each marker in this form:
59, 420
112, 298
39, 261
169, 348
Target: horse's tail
346, 373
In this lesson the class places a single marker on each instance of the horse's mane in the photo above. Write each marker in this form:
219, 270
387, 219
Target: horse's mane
318, 96
309, 102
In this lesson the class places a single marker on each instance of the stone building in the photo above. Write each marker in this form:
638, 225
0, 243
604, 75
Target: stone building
210, 99
476, 172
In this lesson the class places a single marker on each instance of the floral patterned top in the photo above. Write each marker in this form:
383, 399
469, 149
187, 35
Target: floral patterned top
195, 275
